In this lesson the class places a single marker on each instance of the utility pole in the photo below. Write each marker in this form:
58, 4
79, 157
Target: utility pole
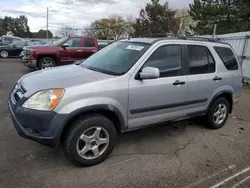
47, 32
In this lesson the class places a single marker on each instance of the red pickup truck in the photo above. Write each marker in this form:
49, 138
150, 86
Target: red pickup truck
64, 51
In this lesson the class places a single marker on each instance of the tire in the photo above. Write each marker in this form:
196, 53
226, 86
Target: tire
45, 63
4, 54
212, 120
72, 141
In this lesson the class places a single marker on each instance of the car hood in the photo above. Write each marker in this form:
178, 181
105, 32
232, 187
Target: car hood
60, 77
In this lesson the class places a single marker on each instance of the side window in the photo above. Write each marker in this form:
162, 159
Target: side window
200, 60
167, 59
19, 44
227, 57
74, 42
8, 40
89, 42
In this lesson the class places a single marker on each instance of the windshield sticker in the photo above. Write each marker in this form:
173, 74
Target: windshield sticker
134, 47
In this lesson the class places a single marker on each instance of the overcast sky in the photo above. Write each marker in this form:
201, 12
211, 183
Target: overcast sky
74, 13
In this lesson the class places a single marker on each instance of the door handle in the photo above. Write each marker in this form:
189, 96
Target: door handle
216, 78
80, 50
178, 82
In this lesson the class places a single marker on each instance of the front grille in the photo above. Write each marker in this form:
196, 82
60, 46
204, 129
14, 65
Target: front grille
17, 93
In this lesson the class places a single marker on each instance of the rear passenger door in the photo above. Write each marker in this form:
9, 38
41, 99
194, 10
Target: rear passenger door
201, 74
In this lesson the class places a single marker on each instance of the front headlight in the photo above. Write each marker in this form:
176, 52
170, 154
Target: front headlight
44, 100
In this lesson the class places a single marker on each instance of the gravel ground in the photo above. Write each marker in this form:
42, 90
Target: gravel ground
183, 154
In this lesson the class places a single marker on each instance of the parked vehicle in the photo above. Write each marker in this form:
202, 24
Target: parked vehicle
64, 51
14, 49
7, 39
127, 85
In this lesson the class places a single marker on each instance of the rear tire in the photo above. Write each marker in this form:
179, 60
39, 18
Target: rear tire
83, 146
218, 113
4, 54
45, 63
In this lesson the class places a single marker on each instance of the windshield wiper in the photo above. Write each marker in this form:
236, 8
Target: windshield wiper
100, 70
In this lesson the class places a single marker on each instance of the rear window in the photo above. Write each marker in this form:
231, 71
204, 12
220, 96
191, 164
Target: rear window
89, 42
228, 58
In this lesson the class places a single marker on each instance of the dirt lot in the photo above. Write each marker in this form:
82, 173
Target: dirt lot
183, 154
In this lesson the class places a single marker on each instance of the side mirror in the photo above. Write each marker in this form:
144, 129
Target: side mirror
149, 73
65, 45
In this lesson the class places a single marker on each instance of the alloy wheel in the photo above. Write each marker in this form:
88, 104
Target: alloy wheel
220, 113
93, 143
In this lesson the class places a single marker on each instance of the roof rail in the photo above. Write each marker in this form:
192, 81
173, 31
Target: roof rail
182, 37
197, 38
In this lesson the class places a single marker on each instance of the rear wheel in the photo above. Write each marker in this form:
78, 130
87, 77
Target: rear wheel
4, 54
218, 113
90, 140
45, 63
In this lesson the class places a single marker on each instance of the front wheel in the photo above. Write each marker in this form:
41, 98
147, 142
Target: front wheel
4, 54
218, 113
90, 140
45, 63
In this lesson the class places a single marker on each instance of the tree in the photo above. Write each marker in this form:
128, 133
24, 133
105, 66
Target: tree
156, 18
186, 22
17, 26
114, 27
229, 15
42, 34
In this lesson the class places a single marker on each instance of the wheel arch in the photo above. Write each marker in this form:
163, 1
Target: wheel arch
109, 111
228, 94
39, 57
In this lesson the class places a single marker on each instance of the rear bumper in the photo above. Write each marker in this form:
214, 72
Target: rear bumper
37, 126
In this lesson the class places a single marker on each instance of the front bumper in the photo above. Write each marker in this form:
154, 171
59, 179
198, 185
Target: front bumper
29, 62
39, 126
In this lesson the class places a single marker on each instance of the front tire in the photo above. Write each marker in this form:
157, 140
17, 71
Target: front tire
45, 63
218, 113
90, 140
4, 54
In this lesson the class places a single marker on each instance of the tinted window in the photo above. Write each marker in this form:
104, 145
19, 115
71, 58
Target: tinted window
116, 58
75, 42
227, 57
167, 59
19, 44
89, 42
8, 40
200, 60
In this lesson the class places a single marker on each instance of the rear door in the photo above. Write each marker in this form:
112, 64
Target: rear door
71, 53
201, 74
90, 47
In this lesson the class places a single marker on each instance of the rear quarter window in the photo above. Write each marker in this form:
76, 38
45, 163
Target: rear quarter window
227, 57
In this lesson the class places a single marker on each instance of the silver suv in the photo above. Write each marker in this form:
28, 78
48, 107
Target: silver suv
127, 85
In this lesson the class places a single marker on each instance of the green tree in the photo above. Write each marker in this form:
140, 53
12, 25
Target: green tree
114, 27
42, 34
156, 18
18, 26
229, 15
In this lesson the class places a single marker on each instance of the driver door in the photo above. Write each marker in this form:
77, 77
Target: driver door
70, 54
163, 99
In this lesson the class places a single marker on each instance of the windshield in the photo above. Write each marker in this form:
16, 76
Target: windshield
116, 58
59, 41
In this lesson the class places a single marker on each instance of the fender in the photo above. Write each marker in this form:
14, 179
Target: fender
221, 93
86, 109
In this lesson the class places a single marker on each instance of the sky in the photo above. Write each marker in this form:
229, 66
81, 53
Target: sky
75, 13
